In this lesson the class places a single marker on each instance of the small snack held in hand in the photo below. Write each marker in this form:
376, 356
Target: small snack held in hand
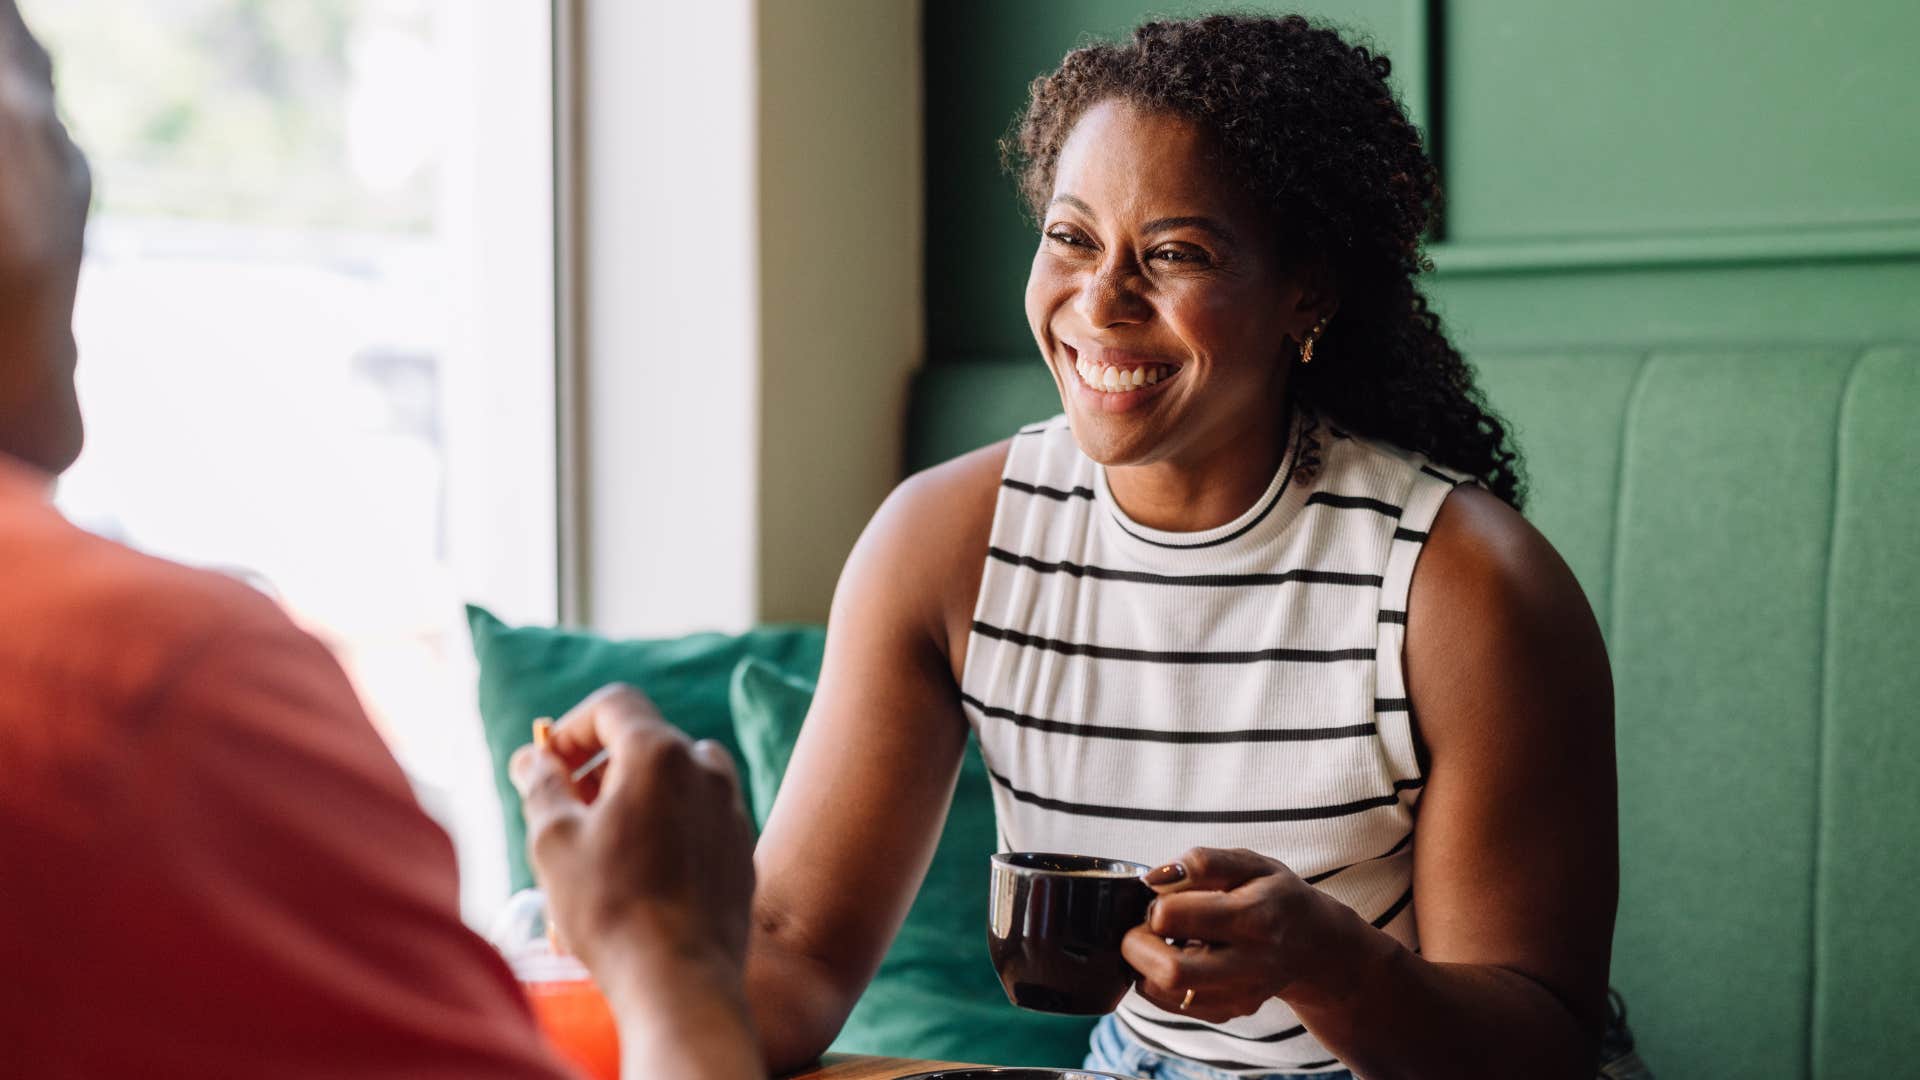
542, 732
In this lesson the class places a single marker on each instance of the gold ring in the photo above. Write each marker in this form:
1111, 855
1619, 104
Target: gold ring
1186, 1001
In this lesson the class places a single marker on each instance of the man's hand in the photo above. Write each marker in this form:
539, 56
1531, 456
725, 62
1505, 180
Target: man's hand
44, 192
648, 867
654, 853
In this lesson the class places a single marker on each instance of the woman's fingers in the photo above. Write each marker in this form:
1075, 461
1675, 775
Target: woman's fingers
1210, 948
1221, 988
1158, 964
1210, 868
1170, 967
1204, 916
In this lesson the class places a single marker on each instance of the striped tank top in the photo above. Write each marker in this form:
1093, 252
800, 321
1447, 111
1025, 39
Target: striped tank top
1139, 692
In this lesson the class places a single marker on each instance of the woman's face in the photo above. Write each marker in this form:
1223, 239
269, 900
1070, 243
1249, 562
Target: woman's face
1156, 296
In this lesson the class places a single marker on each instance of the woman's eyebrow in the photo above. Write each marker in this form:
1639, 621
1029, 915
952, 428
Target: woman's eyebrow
1204, 224
1075, 203
1188, 221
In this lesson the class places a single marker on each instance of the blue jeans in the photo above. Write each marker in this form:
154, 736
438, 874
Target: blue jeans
1115, 1050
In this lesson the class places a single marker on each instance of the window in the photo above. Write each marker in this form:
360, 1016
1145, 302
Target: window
316, 329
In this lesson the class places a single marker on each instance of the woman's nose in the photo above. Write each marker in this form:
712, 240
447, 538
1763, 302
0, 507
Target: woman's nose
1110, 296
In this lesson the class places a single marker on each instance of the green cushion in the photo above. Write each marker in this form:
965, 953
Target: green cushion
768, 706
530, 672
1572, 454
936, 995
1718, 594
1867, 950
1744, 522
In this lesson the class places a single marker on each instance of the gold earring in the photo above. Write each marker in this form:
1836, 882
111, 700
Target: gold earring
1313, 335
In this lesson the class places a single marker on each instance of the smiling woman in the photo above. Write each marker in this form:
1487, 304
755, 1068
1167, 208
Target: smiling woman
1254, 607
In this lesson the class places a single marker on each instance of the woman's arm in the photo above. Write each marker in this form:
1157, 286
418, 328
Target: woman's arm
864, 799
1515, 853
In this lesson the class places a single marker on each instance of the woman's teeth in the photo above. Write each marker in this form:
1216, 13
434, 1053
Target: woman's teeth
1111, 379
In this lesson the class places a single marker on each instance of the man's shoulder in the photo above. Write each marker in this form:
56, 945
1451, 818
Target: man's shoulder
78, 606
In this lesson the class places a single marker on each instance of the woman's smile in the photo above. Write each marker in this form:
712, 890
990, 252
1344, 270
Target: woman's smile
1114, 380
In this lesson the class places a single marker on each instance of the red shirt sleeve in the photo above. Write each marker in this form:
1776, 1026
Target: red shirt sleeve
255, 892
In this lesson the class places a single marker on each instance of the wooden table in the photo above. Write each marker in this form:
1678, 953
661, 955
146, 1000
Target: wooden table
861, 1067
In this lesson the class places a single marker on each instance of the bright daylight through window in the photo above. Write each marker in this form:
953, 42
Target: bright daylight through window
316, 326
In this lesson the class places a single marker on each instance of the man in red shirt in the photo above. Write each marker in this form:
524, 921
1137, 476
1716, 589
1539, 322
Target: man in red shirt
209, 863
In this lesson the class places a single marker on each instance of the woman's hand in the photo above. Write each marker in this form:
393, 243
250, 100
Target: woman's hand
1244, 929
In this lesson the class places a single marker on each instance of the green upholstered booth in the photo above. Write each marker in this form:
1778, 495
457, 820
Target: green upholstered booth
1676, 182
1746, 523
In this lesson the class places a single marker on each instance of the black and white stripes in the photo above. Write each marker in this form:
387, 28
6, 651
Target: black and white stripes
1138, 692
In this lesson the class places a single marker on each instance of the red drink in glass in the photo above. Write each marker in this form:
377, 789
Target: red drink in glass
570, 1010
575, 1018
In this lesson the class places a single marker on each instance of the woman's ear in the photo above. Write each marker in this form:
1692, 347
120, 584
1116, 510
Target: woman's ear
1319, 299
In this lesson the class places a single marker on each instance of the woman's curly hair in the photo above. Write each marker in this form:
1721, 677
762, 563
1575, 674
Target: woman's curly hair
1308, 123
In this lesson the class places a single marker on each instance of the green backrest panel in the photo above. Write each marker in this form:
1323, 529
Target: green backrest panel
1716, 627
1572, 455
1867, 950
1746, 524
959, 407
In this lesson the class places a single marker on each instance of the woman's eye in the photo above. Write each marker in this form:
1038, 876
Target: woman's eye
1179, 256
1070, 239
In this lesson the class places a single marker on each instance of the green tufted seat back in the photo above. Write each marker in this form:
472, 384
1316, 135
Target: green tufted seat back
1746, 524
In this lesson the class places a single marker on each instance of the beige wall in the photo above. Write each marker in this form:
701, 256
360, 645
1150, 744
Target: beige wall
840, 280
667, 356
745, 256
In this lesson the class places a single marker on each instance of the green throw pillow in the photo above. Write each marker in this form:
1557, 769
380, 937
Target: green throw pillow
936, 994
530, 672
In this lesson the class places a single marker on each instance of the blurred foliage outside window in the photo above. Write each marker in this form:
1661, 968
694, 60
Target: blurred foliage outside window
302, 113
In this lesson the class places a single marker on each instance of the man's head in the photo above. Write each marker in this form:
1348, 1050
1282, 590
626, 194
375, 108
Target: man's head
44, 192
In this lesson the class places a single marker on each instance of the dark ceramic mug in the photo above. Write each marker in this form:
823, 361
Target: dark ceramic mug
1054, 924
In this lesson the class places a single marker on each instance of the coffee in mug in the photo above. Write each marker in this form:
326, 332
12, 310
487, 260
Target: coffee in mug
1054, 924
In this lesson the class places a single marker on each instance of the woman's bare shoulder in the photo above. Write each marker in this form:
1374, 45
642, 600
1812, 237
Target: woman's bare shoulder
957, 496
1496, 613
1483, 554
928, 541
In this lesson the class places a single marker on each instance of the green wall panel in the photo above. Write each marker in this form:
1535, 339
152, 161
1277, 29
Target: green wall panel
1797, 302
1867, 977
980, 57
1719, 589
1647, 116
